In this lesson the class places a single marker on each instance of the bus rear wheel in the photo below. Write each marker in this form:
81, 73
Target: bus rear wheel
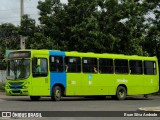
56, 93
146, 96
34, 98
121, 93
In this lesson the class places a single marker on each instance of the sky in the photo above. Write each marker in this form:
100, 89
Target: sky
10, 10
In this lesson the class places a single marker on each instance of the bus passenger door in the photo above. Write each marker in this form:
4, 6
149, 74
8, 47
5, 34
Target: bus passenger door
40, 80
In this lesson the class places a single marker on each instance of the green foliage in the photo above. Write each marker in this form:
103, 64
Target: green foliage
112, 26
9, 37
3, 65
27, 27
2, 87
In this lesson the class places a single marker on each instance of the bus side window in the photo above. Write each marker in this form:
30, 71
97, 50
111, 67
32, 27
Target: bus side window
43, 65
72, 64
106, 66
90, 65
150, 68
121, 66
56, 64
135, 66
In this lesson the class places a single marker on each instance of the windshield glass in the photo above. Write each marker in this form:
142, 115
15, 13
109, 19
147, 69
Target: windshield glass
18, 69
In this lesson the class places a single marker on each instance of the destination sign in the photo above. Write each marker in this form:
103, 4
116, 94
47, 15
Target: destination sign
20, 54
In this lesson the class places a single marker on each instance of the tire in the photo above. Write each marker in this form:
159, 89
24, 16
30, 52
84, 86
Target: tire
56, 93
121, 93
34, 98
146, 96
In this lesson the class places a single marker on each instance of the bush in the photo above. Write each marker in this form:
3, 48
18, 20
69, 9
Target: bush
2, 87
3, 65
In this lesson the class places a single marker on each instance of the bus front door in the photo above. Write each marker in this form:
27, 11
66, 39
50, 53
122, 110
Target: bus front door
40, 80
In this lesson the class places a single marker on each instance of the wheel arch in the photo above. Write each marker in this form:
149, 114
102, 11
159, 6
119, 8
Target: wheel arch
124, 87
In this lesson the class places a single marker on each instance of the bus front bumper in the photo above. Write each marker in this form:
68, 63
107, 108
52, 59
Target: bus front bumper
16, 92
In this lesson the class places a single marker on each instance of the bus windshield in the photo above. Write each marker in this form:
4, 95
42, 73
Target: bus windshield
18, 69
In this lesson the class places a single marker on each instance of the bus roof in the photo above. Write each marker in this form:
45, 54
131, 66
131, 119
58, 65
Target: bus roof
91, 54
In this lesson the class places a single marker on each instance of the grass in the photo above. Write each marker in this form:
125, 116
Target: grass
2, 87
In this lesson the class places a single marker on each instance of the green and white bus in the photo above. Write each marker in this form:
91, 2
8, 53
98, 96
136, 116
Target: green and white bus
79, 74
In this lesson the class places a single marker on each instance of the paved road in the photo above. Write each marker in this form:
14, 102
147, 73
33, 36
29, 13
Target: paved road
13, 103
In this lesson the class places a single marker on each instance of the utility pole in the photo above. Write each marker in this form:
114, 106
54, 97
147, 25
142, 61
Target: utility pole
22, 38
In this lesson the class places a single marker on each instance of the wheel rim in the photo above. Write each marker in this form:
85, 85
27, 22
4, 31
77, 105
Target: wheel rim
121, 93
57, 94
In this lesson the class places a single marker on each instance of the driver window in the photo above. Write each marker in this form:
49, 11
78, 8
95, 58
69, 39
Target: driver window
40, 67
43, 65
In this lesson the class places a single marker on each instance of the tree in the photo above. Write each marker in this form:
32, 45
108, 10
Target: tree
52, 16
115, 26
152, 38
27, 29
9, 37
83, 28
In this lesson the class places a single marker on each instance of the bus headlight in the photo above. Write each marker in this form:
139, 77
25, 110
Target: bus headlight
7, 86
25, 85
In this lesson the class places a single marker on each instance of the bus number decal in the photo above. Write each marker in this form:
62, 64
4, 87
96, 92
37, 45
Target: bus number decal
122, 80
90, 79
73, 82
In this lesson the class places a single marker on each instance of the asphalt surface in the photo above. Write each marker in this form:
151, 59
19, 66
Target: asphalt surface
136, 103
3, 96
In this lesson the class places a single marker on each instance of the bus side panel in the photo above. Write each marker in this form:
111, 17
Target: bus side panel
133, 83
55, 77
107, 83
74, 84
150, 84
98, 84
86, 84
136, 85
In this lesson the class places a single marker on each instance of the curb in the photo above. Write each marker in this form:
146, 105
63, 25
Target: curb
154, 109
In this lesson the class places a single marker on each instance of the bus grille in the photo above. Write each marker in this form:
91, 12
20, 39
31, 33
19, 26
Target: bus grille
17, 91
15, 86
15, 83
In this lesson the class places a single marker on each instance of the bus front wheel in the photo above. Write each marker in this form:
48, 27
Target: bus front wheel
56, 93
121, 93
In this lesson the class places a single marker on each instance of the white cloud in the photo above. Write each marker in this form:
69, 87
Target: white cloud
64, 1
10, 10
